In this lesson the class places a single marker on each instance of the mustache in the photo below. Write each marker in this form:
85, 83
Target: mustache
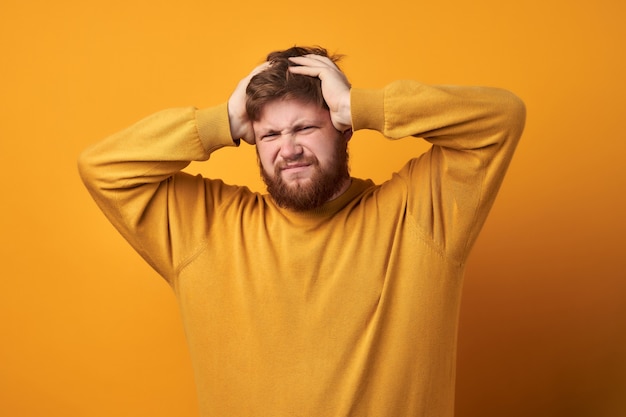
301, 160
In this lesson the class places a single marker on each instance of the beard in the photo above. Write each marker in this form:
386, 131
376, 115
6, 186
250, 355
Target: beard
319, 188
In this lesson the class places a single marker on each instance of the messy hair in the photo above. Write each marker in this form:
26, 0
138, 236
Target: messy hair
277, 82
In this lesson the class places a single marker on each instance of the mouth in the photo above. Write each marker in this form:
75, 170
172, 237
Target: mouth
294, 167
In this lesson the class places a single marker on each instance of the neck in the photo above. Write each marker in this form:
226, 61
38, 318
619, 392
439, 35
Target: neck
344, 187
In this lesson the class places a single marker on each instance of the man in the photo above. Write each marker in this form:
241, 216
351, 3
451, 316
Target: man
331, 296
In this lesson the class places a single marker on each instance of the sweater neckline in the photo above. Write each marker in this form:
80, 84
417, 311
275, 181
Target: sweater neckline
330, 208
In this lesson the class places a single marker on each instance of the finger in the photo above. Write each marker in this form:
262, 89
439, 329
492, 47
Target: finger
306, 70
313, 60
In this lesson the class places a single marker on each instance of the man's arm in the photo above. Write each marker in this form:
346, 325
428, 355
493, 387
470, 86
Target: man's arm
474, 131
134, 177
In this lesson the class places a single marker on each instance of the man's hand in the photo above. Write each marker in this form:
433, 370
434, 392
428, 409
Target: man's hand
240, 125
335, 86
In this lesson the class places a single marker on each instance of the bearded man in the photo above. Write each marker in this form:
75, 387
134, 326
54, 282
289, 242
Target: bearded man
330, 295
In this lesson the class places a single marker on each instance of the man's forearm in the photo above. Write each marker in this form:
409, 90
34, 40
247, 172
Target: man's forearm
154, 148
131, 175
449, 116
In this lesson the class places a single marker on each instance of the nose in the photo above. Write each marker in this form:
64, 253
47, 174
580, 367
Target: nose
290, 149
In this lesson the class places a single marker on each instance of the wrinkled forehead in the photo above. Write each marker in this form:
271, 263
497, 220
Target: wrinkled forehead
285, 113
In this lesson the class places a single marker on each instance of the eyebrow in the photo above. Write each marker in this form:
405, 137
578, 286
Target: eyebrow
297, 126
265, 132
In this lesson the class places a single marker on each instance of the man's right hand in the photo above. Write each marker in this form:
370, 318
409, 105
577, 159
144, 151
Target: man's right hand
240, 125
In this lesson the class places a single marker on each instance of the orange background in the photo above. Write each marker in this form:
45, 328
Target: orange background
88, 329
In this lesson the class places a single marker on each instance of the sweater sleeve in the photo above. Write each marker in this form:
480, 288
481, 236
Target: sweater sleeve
135, 178
474, 131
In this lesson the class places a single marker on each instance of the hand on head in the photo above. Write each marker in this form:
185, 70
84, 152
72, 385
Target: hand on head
335, 86
240, 124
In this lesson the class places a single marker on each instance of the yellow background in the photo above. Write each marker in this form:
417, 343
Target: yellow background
87, 329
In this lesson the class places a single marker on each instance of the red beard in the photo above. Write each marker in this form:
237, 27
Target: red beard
317, 190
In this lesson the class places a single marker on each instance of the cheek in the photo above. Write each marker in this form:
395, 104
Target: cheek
326, 152
266, 158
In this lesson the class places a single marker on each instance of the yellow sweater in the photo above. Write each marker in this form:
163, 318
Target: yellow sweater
347, 310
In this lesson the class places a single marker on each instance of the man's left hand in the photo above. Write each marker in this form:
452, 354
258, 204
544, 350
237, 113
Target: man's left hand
335, 86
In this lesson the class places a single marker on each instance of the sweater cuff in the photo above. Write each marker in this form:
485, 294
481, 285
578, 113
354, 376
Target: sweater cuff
214, 128
368, 109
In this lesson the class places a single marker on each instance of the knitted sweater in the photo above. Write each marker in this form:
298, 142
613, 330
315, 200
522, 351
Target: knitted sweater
350, 309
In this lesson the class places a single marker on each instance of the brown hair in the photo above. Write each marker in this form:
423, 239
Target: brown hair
277, 82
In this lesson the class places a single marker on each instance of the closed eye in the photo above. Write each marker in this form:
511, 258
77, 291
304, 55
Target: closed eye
269, 135
305, 129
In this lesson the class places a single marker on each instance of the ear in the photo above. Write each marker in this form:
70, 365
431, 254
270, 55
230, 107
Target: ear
347, 134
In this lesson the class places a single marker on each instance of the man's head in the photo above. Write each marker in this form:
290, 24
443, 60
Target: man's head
302, 157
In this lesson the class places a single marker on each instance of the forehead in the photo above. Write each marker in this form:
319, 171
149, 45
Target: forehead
281, 114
